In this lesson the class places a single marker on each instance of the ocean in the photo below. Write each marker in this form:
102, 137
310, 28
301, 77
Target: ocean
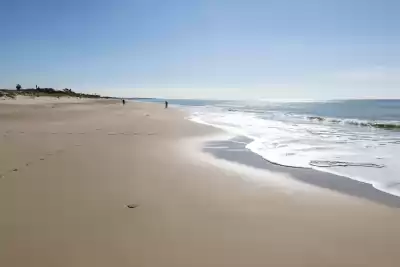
357, 139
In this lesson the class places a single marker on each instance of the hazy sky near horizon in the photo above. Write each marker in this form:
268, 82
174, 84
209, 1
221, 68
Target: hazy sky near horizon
204, 48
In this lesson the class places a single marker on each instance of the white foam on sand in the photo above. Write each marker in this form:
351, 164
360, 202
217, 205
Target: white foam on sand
360, 153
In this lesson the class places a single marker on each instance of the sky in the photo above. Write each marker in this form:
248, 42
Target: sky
223, 49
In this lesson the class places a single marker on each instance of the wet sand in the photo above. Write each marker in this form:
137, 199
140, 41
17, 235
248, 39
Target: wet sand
93, 183
234, 150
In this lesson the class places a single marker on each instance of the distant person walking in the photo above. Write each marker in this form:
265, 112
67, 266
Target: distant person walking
123, 102
166, 104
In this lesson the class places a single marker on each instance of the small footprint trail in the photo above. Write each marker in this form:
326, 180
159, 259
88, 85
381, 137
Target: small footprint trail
48, 155
27, 164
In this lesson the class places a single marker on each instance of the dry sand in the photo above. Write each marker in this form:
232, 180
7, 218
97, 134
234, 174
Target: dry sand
70, 168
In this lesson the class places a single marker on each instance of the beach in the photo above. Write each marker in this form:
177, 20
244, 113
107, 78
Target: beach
95, 183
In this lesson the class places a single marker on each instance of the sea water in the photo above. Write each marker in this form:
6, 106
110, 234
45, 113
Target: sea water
358, 139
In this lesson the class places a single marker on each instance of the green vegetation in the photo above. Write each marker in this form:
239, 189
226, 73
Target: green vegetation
7, 93
37, 92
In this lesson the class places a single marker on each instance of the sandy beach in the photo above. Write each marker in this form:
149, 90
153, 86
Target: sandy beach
69, 169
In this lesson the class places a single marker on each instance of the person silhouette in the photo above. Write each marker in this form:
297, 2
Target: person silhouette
123, 102
166, 104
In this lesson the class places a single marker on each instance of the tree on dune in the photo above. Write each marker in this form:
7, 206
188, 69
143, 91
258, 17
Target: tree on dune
18, 87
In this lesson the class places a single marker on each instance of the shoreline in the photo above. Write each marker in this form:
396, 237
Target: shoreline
326, 180
235, 150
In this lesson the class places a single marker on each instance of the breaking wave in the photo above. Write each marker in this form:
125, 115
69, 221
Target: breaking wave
386, 125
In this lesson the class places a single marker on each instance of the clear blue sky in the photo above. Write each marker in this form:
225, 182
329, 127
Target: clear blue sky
204, 48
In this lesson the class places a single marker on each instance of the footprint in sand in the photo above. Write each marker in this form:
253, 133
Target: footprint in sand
132, 206
15, 170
